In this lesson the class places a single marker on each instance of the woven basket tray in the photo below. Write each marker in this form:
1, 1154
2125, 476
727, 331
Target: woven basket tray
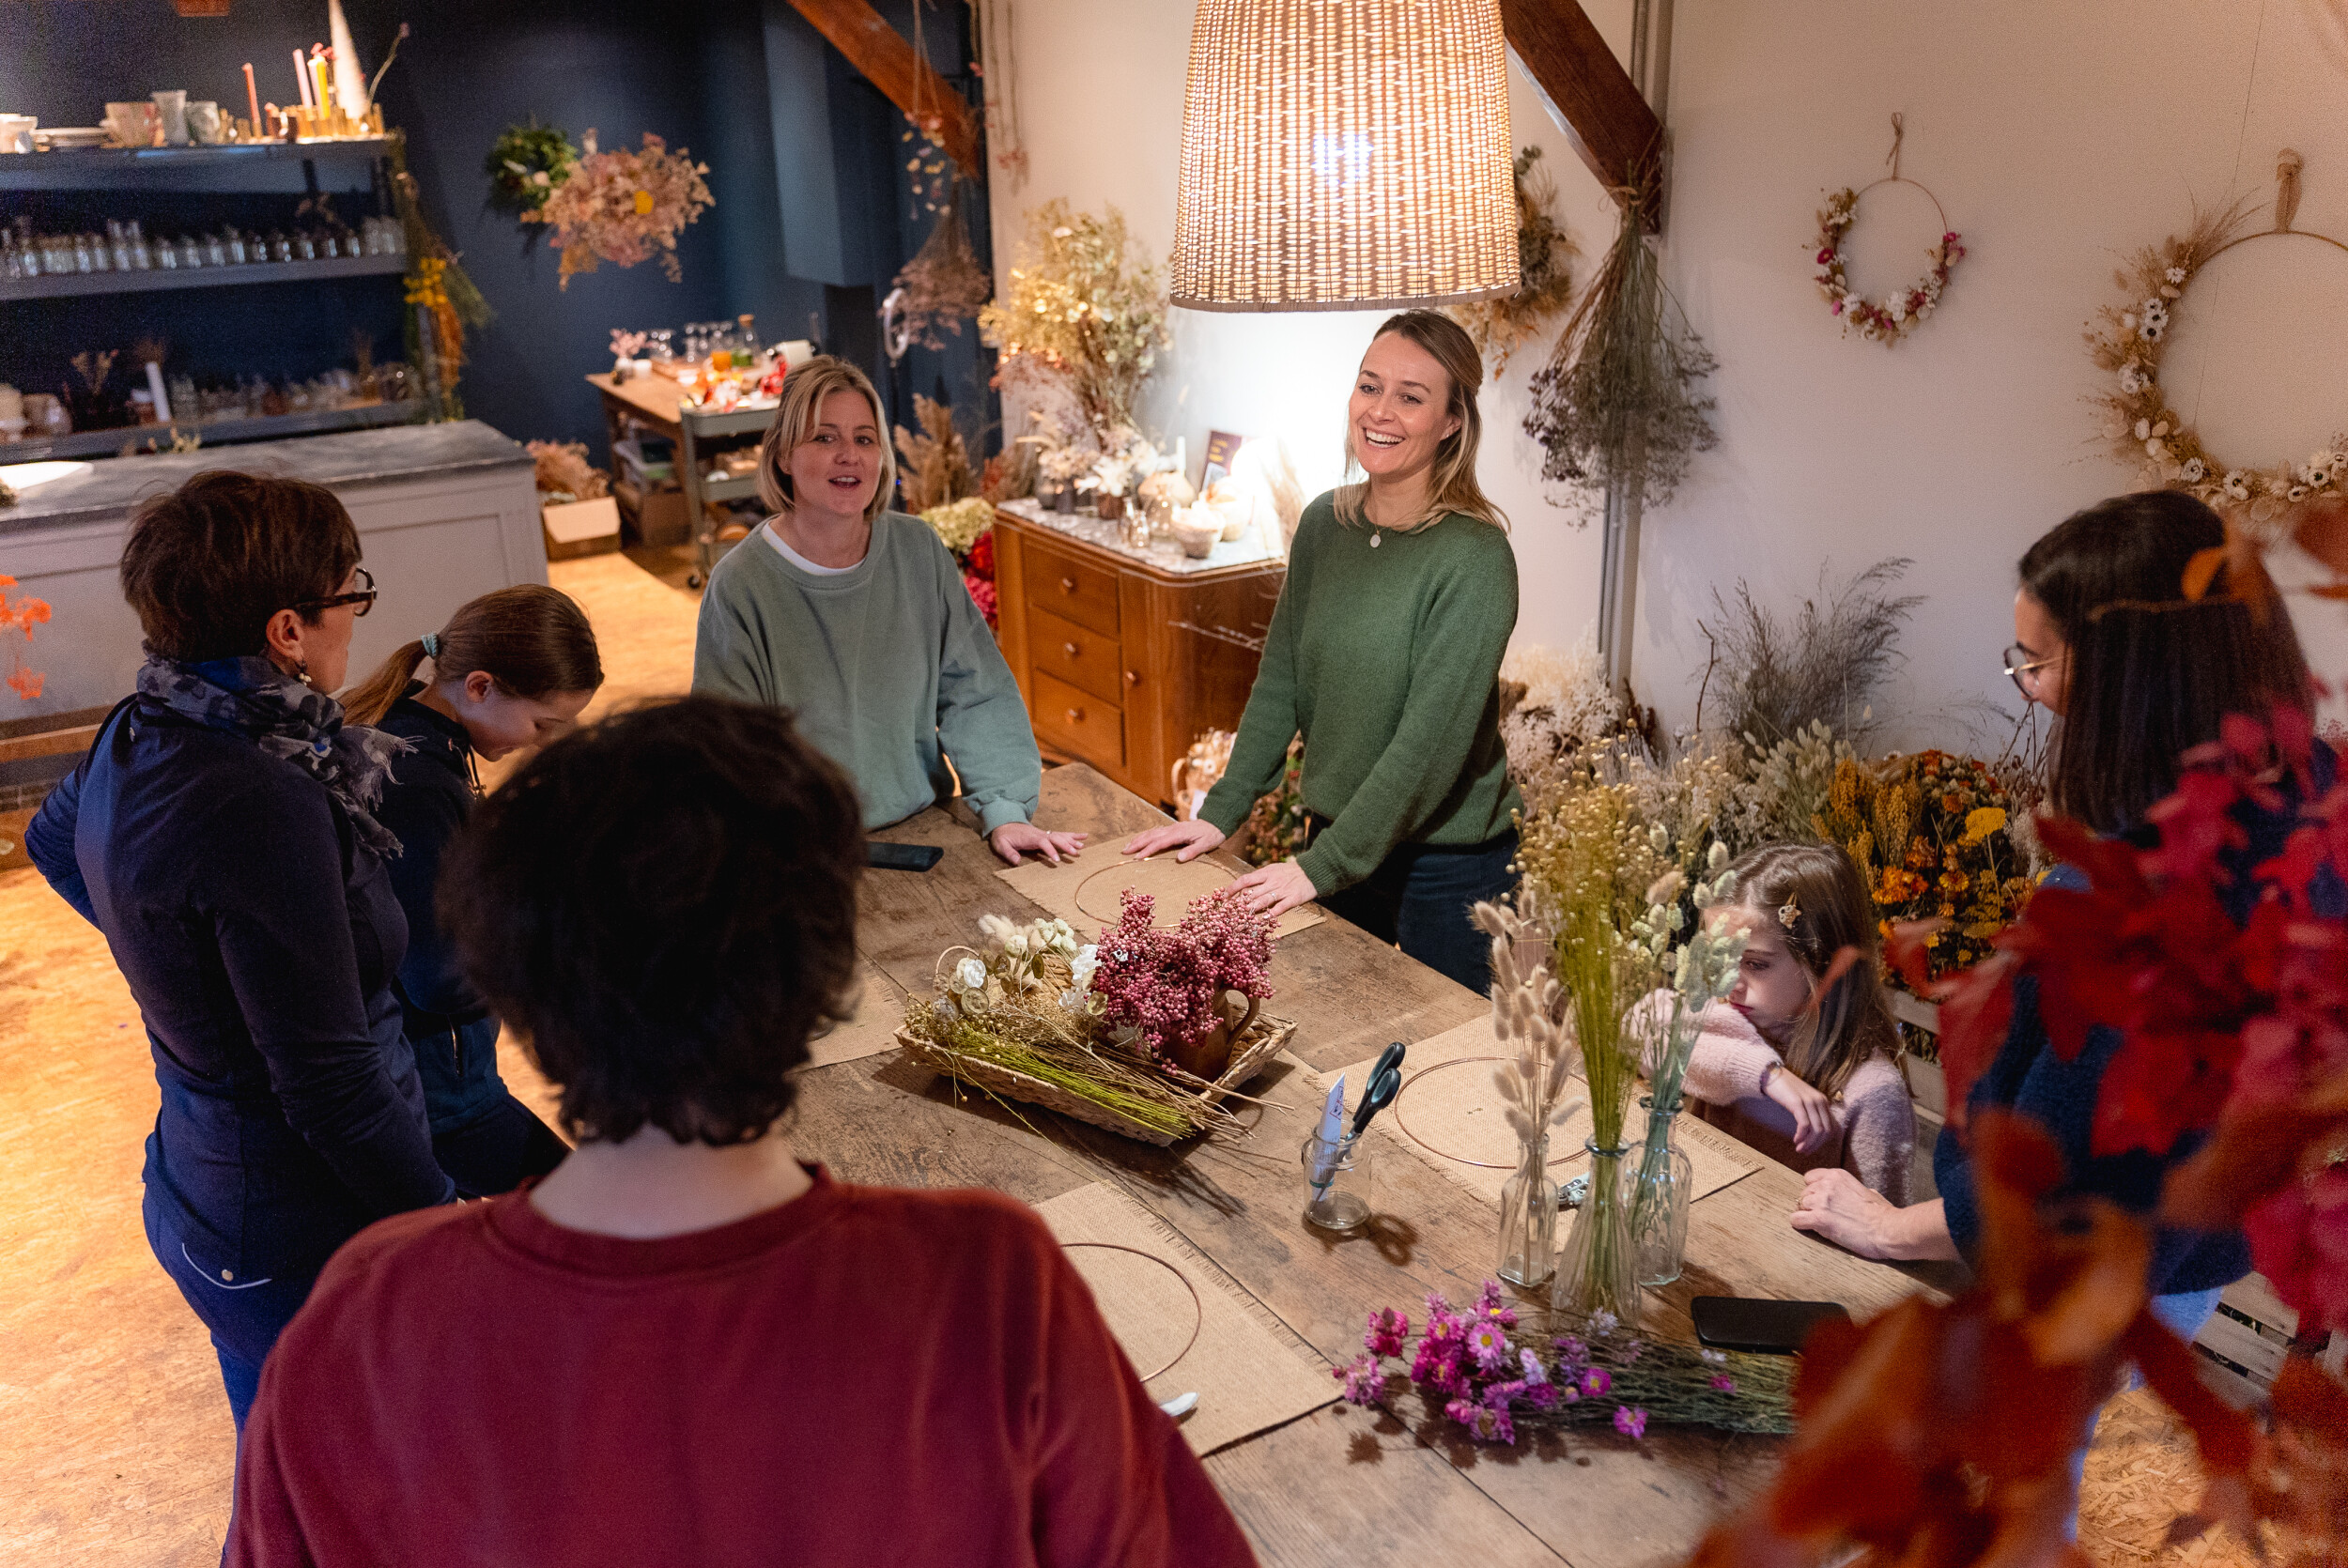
1253, 1054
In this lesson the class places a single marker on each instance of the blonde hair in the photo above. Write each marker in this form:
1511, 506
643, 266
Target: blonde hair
534, 641
1451, 484
801, 414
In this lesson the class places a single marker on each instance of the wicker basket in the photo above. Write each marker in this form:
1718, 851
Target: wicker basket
1253, 1054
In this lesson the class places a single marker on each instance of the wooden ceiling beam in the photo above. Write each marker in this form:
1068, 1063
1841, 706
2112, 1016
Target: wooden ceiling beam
1606, 117
887, 61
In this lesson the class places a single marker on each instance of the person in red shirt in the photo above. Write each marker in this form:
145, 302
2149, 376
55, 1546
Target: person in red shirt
685, 1346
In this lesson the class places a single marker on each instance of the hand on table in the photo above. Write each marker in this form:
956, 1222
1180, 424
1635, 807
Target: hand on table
1013, 839
1813, 1113
1273, 890
1838, 1207
1189, 840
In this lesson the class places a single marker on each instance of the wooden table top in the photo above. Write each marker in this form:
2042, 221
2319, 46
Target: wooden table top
651, 397
1341, 1486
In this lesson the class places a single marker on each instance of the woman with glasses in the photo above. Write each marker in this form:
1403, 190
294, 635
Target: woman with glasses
2136, 675
221, 834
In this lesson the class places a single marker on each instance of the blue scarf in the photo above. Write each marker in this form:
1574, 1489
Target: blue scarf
287, 719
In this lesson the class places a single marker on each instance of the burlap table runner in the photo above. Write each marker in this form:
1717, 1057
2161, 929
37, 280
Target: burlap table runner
1248, 1374
1084, 891
1456, 1111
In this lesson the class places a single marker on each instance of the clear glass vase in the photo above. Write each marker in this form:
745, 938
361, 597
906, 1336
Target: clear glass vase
1662, 1187
1599, 1270
1528, 1216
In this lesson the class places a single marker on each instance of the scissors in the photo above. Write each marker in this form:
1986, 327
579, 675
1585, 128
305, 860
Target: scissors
1386, 1082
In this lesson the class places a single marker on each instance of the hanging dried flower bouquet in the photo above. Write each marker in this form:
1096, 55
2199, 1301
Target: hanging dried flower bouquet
624, 206
1102, 1032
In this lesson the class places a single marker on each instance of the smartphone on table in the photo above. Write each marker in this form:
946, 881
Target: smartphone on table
1758, 1325
901, 857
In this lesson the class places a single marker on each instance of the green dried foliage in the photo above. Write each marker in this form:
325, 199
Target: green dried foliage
1618, 400
1776, 681
1545, 254
525, 163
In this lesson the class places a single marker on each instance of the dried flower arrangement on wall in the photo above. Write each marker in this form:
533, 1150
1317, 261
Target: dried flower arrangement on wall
2129, 339
1618, 402
1083, 304
624, 206
1903, 309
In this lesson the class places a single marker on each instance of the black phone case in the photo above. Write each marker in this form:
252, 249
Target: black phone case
901, 857
1758, 1325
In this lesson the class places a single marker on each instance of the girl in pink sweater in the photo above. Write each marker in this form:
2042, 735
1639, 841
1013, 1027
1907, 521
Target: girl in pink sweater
1806, 1075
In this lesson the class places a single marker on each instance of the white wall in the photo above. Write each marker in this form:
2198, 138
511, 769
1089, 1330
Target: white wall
2057, 138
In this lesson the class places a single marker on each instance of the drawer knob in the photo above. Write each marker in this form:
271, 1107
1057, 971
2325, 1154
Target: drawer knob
1070, 648
1068, 585
1133, 677
1075, 715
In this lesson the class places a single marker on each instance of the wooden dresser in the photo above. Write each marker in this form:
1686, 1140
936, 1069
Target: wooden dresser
1124, 661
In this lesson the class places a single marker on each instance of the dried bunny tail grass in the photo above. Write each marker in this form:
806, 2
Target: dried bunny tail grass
1525, 1008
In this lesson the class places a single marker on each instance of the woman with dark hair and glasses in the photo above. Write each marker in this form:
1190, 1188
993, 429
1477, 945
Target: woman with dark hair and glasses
221, 833
2136, 675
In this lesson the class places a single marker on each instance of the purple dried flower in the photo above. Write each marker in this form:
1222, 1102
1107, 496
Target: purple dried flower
1364, 1383
1724, 1383
1387, 1329
1629, 1422
1596, 1380
1488, 1342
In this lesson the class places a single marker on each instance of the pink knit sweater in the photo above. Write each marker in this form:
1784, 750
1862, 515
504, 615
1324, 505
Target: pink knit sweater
1874, 1123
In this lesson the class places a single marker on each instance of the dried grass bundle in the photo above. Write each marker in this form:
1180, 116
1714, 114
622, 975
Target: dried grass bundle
1778, 681
936, 464
1527, 1020
564, 470
1544, 257
1618, 402
944, 284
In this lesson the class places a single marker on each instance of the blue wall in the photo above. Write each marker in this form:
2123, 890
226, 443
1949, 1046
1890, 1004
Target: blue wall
696, 75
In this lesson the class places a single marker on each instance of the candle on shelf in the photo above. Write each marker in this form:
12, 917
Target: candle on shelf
253, 98
302, 78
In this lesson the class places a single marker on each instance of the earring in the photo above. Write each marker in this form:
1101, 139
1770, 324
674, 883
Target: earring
302, 673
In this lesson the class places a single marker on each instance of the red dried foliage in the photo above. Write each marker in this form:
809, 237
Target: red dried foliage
22, 613
1942, 1435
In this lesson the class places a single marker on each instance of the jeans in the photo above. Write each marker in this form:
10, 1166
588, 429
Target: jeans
245, 1316
1419, 897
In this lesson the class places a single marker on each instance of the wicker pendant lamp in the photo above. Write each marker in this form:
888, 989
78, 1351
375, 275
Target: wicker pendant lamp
1344, 155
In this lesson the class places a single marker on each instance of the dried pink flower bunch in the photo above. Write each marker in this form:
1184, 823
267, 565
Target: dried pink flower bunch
624, 206
1167, 984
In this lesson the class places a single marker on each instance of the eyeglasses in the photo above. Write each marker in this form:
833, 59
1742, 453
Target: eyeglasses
2025, 669
363, 598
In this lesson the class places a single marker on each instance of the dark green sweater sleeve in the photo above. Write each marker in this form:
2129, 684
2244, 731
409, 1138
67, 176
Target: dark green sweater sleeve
1455, 667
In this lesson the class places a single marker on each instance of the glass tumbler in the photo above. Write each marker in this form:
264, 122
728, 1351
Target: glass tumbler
1337, 1183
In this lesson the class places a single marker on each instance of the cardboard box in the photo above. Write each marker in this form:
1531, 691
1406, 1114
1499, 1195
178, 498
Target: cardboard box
581, 528
655, 517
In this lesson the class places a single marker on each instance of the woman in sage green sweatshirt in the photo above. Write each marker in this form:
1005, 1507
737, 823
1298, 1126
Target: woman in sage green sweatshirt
855, 618
1385, 654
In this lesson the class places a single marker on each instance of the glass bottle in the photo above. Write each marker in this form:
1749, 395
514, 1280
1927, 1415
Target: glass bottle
237, 254
280, 247
142, 254
1528, 1216
215, 252
190, 251
305, 246
1599, 1270
80, 253
1662, 1187
166, 255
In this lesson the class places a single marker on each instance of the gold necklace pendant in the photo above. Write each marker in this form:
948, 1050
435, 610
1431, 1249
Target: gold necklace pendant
1374, 536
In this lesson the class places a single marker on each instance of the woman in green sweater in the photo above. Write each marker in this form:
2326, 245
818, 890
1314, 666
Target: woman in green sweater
1385, 654
855, 618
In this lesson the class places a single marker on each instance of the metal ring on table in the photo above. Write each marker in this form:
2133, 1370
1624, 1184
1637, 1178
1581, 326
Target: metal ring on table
1461, 1158
1198, 1307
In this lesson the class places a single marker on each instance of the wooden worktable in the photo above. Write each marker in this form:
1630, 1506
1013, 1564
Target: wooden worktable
1341, 1486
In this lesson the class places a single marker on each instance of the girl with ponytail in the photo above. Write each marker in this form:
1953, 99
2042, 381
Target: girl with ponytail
511, 669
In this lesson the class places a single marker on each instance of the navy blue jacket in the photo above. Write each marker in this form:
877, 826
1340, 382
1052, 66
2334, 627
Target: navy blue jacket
2060, 1095
259, 938
428, 799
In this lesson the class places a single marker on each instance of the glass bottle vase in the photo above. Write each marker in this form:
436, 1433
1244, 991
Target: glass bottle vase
1660, 1188
1528, 1216
1599, 1270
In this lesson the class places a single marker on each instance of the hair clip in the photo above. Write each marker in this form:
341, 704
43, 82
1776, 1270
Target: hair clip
1787, 913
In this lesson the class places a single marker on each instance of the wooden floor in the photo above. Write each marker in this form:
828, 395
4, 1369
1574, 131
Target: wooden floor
115, 1437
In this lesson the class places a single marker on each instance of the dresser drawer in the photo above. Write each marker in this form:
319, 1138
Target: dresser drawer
1076, 655
1078, 723
1061, 585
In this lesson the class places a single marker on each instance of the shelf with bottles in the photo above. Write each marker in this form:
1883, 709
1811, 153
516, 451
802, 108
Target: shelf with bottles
148, 168
148, 438
118, 412
123, 260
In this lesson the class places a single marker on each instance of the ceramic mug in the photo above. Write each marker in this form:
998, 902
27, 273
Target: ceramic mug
131, 125
171, 104
203, 122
